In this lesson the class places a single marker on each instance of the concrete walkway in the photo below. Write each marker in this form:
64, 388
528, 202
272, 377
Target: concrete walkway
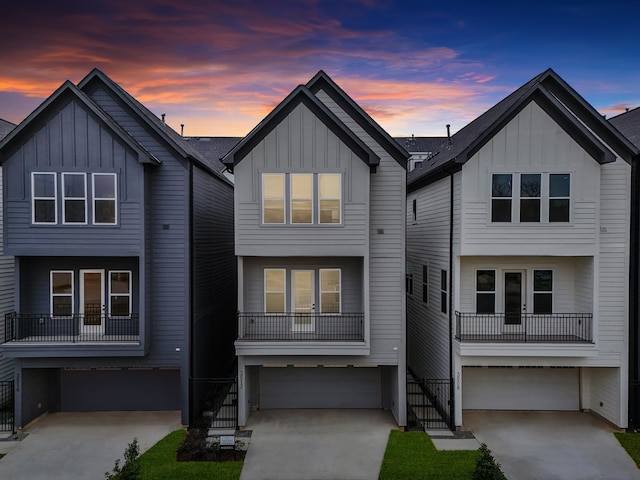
552, 445
64, 446
317, 444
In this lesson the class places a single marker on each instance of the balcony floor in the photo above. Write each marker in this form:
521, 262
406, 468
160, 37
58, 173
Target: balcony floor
521, 338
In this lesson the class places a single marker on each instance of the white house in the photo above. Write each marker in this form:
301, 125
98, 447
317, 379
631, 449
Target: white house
518, 258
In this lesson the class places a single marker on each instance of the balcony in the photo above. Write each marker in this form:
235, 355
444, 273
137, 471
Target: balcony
300, 327
90, 328
575, 328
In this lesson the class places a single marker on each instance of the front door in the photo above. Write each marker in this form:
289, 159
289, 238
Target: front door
92, 301
303, 302
514, 295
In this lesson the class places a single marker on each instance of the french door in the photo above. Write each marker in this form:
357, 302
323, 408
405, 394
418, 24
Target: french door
92, 301
302, 301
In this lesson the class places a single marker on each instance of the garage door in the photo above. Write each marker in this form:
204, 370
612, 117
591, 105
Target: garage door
520, 389
320, 387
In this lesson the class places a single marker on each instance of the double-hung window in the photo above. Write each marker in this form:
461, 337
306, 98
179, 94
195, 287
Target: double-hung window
61, 283
301, 197
409, 278
44, 194
104, 198
274, 290
530, 189
425, 284
120, 293
444, 298
542, 291
273, 198
501, 193
330, 290
330, 197
74, 198
485, 291
559, 197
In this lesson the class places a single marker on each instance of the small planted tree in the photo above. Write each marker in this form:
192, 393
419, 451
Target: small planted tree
486, 466
130, 469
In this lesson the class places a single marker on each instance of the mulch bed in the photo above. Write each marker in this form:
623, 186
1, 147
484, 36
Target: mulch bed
194, 448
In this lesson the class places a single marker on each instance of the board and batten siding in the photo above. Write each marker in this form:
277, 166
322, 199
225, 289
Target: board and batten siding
428, 245
72, 140
301, 143
532, 142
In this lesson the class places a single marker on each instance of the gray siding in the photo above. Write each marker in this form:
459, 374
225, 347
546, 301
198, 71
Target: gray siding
72, 140
301, 144
6, 299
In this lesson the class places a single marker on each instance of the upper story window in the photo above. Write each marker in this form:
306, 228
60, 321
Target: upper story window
104, 198
485, 291
542, 291
273, 198
301, 198
120, 293
408, 283
44, 206
274, 290
74, 198
330, 197
61, 293
292, 198
444, 297
330, 290
425, 284
530, 197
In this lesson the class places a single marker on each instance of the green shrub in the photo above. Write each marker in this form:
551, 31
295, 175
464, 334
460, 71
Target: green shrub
130, 470
486, 466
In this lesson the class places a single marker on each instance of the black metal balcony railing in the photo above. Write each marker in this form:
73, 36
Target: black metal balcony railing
525, 327
301, 327
92, 327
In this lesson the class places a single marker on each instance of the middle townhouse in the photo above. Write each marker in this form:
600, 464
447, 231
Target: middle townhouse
319, 234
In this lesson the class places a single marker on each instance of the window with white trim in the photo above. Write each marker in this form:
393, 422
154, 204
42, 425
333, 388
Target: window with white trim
274, 290
444, 298
330, 290
531, 197
330, 197
104, 198
301, 197
120, 293
44, 206
74, 198
485, 291
273, 198
542, 291
61, 288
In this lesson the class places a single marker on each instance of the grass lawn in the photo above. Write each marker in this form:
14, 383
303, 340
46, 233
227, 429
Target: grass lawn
159, 463
411, 455
631, 443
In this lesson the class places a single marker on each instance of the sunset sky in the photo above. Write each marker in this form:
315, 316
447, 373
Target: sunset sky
219, 67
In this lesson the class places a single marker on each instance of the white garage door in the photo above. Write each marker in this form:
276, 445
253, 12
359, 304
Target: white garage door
520, 389
320, 387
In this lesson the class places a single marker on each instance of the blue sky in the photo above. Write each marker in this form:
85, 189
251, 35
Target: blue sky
219, 67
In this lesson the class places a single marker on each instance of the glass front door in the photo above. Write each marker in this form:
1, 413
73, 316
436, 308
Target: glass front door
92, 301
513, 297
303, 302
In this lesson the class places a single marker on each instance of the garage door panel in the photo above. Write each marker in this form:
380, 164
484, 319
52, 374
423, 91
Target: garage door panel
521, 389
320, 387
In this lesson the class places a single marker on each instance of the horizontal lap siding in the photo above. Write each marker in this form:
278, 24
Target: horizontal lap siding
214, 276
428, 244
167, 276
6, 298
72, 141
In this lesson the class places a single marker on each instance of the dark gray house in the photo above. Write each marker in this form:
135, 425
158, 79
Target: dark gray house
319, 234
124, 266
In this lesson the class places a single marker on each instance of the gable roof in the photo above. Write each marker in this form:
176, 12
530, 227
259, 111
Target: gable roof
68, 89
177, 142
628, 124
322, 81
557, 99
213, 148
301, 95
415, 144
5, 128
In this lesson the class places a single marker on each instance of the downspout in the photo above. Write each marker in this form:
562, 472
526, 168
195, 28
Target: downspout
450, 306
190, 328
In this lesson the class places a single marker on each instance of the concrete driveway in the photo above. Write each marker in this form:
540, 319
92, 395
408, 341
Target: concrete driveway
81, 445
552, 445
317, 444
